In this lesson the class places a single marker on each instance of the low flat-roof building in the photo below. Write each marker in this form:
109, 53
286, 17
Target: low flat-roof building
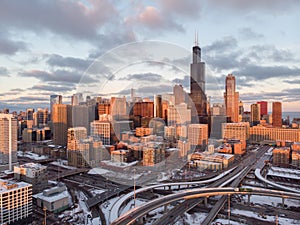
55, 199
33, 173
215, 161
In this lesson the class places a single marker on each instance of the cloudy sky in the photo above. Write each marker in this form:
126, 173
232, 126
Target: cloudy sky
107, 47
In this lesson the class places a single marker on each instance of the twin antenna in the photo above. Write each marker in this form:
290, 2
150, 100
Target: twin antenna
196, 38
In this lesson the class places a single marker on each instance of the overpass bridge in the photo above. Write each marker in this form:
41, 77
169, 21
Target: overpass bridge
136, 213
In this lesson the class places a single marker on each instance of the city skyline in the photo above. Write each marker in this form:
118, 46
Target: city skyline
41, 56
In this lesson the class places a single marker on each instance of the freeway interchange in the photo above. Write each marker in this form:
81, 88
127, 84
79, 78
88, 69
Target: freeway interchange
188, 199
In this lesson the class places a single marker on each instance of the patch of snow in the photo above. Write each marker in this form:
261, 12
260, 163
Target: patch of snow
63, 163
98, 170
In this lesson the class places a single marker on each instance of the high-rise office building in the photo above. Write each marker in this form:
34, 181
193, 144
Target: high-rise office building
16, 202
198, 135
40, 117
239, 131
104, 108
277, 114
178, 115
76, 99
263, 108
54, 99
83, 115
255, 114
218, 109
231, 98
8, 140
75, 134
118, 108
101, 129
62, 120
143, 109
179, 94
241, 111
29, 114
197, 84
158, 111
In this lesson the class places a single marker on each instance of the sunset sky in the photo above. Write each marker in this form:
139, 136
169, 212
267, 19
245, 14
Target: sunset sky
50, 47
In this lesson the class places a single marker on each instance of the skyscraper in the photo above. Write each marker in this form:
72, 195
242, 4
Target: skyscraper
263, 108
197, 83
277, 114
101, 129
255, 114
55, 99
179, 94
231, 98
158, 111
29, 114
62, 120
118, 108
76, 99
198, 135
8, 140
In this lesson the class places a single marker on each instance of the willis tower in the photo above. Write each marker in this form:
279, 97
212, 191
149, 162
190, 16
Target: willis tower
197, 85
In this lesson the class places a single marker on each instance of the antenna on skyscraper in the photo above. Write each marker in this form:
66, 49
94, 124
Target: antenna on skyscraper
197, 38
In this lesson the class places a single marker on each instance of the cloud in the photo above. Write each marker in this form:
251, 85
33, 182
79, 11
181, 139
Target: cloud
157, 89
227, 43
72, 18
257, 72
270, 52
225, 61
55, 60
10, 47
58, 76
185, 82
154, 19
50, 88
256, 5
143, 77
4, 72
187, 8
248, 34
294, 81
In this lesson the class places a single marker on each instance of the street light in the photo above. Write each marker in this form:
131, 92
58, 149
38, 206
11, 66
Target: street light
45, 215
229, 209
134, 187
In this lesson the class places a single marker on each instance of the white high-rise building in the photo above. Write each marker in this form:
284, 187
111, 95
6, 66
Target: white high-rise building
16, 202
101, 129
8, 140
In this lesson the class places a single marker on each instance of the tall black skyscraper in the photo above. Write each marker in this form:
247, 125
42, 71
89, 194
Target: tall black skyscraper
197, 84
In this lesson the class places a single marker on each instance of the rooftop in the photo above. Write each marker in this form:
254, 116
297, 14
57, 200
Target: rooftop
8, 185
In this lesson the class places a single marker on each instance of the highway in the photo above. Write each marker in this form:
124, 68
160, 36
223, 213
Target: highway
136, 213
252, 160
189, 204
115, 212
235, 176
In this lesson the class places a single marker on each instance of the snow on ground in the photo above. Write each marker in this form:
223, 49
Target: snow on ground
106, 208
281, 220
273, 201
225, 221
284, 172
119, 164
80, 215
64, 164
96, 192
32, 155
163, 176
191, 219
98, 170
